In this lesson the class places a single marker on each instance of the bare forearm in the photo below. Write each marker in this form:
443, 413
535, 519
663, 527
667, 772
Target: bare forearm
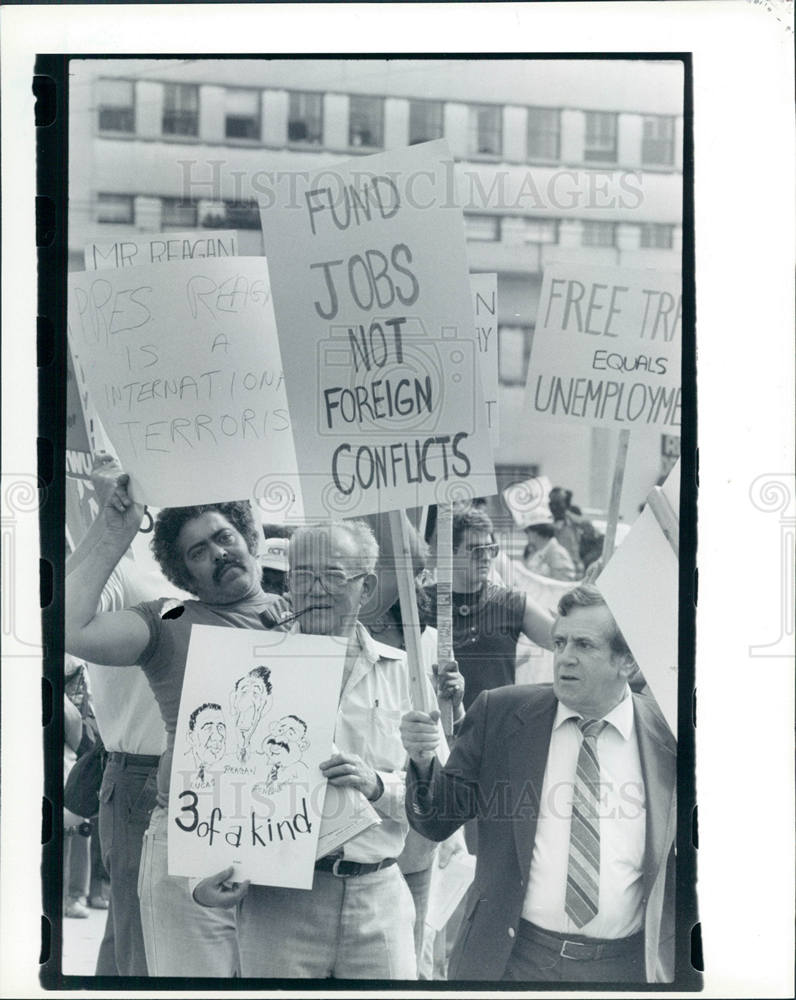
93, 562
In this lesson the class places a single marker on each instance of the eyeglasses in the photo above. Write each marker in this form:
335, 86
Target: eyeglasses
301, 581
490, 550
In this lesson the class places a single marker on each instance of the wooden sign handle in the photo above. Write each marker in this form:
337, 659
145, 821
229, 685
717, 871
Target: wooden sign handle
408, 601
445, 602
616, 495
668, 521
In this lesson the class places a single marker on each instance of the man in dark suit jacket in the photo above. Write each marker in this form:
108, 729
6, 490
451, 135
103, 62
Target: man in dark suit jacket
575, 871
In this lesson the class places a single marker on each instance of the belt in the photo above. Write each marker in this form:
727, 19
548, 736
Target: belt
349, 869
139, 759
582, 949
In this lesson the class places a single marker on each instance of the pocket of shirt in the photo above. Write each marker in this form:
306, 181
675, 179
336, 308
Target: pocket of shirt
374, 733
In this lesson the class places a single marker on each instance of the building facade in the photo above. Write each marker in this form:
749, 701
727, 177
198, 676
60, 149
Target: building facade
554, 160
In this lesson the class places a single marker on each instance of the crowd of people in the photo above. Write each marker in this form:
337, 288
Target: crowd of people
565, 792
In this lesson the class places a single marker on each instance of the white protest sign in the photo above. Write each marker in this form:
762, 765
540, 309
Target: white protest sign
182, 364
447, 887
257, 716
484, 291
641, 585
159, 248
528, 501
606, 348
371, 294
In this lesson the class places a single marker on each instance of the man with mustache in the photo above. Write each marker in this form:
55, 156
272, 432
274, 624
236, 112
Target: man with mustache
250, 700
283, 746
357, 922
209, 551
574, 790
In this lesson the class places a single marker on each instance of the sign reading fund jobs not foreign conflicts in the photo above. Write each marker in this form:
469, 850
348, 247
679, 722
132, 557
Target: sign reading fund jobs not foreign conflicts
181, 361
375, 320
606, 349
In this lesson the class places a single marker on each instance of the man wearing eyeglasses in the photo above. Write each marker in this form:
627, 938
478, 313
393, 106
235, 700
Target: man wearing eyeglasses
358, 920
488, 619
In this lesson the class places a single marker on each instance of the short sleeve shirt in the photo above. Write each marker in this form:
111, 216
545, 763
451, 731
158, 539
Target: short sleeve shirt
486, 627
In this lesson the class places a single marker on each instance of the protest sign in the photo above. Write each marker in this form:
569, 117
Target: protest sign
375, 318
484, 292
447, 887
183, 366
606, 348
528, 501
81, 501
257, 716
640, 586
159, 248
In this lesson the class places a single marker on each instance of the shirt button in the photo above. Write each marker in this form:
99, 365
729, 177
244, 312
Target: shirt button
511, 932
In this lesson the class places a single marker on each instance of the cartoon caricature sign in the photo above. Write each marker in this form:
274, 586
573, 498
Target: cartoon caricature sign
257, 717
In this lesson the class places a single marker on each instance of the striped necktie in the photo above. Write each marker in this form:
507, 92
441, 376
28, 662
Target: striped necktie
583, 873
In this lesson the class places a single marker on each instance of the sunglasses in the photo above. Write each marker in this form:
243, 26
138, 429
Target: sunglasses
490, 550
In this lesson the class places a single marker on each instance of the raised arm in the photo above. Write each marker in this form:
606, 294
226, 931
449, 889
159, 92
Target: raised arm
537, 624
116, 638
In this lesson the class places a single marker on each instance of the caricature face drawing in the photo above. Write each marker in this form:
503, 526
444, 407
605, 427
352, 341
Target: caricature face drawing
250, 700
207, 736
283, 748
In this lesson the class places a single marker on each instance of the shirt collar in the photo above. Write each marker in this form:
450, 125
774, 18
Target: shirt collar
366, 643
620, 716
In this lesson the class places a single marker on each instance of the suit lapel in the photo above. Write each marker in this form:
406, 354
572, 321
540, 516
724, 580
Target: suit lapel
528, 739
658, 753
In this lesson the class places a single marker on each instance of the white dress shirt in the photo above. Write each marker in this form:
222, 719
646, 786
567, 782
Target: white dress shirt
623, 821
374, 698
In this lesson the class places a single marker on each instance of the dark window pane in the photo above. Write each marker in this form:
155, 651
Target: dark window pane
485, 130
115, 100
544, 129
115, 208
305, 118
177, 212
365, 122
425, 121
180, 109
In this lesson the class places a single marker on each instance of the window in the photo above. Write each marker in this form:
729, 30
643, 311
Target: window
116, 102
242, 108
485, 130
656, 236
657, 143
366, 121
242, 215
600, 136
544, 133
599, 234
180, 109
541, 230
115, 208
514, 349
178, 212
305, 118
482, 227
425, 121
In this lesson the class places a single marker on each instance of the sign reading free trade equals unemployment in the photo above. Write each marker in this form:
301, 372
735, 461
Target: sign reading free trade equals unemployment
376, 329
606, 349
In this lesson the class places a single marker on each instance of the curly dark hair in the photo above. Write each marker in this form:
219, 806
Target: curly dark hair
170, 522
